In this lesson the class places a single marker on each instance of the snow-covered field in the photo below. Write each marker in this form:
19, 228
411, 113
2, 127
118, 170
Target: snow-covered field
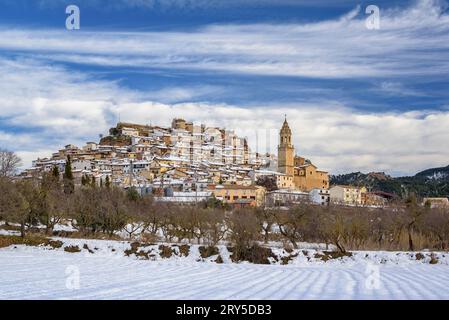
41, 273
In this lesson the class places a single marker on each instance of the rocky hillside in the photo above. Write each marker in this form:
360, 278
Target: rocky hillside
428, 183
435, 174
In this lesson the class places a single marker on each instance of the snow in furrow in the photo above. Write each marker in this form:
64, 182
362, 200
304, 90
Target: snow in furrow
37, 273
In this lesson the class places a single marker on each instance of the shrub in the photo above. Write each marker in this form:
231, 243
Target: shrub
208, 251
419, 256
285, 260
165, 251
135, 245
72, 249
55, 244
184, 250
433, 259
219, 259
327, 255
142, 254
321, 256
9, 227
254, 254
30, 240
129, 252
337, 254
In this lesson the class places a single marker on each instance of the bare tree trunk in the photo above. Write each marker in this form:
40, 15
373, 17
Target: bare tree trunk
410, 240
295, 245
340, 247
22, 230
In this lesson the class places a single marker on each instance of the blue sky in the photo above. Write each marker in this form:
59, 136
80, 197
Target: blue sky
357, 99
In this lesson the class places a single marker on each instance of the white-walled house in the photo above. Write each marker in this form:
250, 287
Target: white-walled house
286, 197
347, 195
319, 196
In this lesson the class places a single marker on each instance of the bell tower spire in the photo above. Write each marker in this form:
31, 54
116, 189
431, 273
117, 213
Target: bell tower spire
286, 151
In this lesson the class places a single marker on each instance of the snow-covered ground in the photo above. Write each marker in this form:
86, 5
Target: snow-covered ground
41, 273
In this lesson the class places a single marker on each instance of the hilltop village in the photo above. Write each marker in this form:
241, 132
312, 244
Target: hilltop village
188, 163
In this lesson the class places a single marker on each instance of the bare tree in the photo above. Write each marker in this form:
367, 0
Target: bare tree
153, 216
436, 225
215, 226
136, 217
244, 228
266, 220
335, 229
291, 223
414, 215
9, 163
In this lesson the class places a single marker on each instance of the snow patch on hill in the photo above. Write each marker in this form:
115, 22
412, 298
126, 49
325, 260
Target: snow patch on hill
438, 176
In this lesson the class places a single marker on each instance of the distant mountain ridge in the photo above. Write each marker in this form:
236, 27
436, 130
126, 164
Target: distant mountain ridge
432, 182
441, 173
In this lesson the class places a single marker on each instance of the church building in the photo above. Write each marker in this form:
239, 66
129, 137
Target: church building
306, 175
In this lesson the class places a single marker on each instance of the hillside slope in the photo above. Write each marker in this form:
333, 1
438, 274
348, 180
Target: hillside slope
428, 183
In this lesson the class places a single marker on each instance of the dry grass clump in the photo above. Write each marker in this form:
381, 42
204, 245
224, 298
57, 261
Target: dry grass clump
254, 254
29, 240
55, 244
165, 252
208, 251
184, 250
328, 255
9, 227
419, 256
433, 259
286, 259
72, 249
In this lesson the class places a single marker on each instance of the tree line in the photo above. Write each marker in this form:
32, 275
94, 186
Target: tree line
109, 211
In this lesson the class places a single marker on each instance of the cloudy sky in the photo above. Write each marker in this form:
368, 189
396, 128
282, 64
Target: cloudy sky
356, 98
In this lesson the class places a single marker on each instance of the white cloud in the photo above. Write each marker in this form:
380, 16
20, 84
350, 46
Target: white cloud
398, 89
412, 41
190, 4
336, 138
54, 107
49, 106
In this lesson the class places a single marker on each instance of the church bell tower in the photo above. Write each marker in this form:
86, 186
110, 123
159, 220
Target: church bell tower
286, 151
